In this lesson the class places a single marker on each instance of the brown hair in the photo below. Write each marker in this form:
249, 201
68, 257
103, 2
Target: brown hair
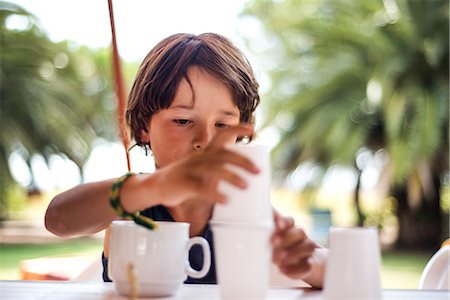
168, 62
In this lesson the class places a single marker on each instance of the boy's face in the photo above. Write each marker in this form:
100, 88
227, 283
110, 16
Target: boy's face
190, 124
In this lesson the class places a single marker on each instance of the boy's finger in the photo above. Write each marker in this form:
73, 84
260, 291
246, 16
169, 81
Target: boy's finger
283, 223
237, 159
231, 134
299, 270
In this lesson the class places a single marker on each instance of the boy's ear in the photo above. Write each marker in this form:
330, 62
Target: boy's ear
145, 136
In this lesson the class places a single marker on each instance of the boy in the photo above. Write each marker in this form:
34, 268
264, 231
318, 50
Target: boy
193, 95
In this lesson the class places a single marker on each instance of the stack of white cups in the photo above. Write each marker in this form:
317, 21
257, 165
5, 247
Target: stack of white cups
242, 229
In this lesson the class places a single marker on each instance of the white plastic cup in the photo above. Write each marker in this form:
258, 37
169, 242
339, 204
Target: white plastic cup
252, 204
243, 259
159, 258
353, 266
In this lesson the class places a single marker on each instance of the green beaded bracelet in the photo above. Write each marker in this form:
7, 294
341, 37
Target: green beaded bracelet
114, 200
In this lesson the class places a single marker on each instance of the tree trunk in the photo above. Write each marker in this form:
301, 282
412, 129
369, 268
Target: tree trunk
419, 229
359, 213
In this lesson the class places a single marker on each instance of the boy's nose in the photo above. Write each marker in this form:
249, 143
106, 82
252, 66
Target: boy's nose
202, 138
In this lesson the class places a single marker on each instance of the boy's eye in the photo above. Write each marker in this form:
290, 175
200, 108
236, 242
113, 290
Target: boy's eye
221, 125
182, 121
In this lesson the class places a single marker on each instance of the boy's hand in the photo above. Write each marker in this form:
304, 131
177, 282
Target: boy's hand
197, 175
292, 249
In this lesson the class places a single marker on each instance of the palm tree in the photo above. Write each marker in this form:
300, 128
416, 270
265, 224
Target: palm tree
54, 101
353, 75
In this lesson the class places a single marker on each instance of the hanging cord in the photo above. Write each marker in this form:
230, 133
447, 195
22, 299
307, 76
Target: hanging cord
120, 92
120, 88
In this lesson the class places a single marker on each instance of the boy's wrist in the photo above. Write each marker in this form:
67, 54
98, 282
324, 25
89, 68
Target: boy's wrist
139, 193
123, 210
115, 199
317, 274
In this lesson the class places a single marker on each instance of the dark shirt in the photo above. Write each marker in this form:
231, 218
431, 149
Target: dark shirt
160, 213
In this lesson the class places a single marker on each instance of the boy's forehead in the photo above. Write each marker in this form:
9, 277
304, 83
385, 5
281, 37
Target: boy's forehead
184, 96
197, 83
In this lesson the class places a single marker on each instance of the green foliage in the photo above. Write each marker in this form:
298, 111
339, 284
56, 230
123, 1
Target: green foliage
348, 77
15, 200
56, 98
353, 74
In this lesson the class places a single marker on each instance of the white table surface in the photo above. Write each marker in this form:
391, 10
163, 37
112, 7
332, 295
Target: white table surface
87, 290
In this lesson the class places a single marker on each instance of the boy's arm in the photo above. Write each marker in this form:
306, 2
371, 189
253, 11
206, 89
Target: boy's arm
81, 210
85, 209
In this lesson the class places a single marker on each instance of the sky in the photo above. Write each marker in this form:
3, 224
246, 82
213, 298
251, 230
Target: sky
140, 24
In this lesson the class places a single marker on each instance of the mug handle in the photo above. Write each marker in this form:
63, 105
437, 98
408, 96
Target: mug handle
206, 257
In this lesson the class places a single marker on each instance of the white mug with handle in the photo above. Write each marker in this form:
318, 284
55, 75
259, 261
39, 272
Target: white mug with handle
152, 263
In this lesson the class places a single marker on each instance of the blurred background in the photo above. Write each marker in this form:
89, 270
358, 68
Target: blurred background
355, 107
